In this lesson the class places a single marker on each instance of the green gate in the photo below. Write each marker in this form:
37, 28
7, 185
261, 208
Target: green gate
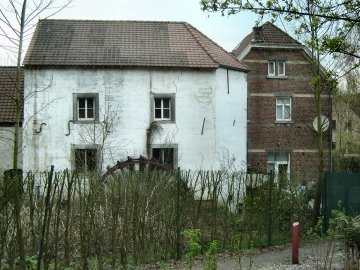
344, 187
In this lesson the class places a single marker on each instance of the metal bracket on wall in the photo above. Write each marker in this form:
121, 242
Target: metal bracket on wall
69, 130
40, 128
202, 130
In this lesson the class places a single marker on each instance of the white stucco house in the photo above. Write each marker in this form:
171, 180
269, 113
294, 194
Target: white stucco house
100, 91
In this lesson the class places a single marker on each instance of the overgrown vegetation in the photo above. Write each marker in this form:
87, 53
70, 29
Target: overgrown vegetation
342, 238
133, 218
346, 229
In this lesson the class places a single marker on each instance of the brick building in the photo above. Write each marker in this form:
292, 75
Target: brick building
281, 103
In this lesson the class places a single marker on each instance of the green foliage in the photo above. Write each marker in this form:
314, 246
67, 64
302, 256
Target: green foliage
165, 266
211, 261
345, 227
327, 27
252, 248
271, 207
346, 104
316, 232
192, 238
31, 262
238, 248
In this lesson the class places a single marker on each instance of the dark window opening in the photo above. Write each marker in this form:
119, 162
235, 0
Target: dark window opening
333, 123
85, 160
164, 155
333, 145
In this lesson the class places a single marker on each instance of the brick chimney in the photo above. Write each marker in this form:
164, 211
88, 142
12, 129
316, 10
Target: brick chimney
257, 35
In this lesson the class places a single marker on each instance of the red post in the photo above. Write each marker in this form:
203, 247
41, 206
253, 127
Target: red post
295, 243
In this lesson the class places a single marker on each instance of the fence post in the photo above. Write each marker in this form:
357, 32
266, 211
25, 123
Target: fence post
178, 231
295, 243
46, 219
13, 189
269, 233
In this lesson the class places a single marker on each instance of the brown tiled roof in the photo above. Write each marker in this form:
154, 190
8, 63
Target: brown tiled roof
270, 35
7, 94
124, 44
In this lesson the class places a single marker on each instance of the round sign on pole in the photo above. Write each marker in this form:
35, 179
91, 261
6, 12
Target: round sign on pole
324, 123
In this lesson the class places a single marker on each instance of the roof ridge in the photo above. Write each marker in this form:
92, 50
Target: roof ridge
188, 27
219, 46
243, 40
104, 20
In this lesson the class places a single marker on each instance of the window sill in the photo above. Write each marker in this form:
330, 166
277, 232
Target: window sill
164, 121
276, 77
86, 121
284, 122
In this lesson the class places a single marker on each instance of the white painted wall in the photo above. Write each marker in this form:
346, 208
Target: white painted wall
126, 96
6, 148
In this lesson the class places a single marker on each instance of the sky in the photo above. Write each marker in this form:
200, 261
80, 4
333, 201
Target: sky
227, 31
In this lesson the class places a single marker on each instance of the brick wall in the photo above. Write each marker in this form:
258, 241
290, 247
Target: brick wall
297, 137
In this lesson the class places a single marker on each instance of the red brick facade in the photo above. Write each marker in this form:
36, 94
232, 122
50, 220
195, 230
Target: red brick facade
295, 138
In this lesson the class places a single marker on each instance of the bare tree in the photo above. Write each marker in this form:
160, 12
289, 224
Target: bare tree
17, 19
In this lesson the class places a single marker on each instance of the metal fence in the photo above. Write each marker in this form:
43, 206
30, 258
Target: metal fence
343, 188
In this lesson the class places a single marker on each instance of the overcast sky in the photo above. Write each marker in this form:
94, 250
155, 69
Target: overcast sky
227, 31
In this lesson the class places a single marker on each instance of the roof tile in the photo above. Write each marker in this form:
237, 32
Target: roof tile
270, 34
7, 94
124, 43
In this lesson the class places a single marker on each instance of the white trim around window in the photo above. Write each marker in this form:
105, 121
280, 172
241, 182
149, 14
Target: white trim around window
281, 68
163, 107
283, 109
271, 68
278, 162
85, 107
276, 69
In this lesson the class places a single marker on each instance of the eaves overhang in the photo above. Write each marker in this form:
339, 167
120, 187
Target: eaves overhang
272, 46
234, 68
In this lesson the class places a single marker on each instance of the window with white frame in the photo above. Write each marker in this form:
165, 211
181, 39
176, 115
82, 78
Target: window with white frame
86, 159
86, 107
164, 107
283, 109
279, 163
276, 68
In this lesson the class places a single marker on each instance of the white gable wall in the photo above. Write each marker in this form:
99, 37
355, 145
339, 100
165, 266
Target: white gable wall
125, 95
231, 120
